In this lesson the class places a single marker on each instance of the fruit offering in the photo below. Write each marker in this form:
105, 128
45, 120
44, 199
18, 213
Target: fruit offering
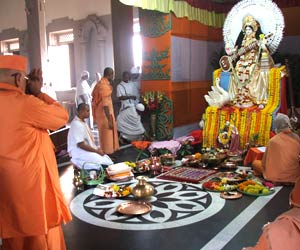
130, 164
139, 167
254, 188
121, 190
232, 176
218, 185
197, 156
113, 191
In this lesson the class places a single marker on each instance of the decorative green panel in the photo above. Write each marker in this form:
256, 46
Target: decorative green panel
154, 23
165, 120
156, 71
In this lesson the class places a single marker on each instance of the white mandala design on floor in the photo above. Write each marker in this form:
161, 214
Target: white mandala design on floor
173, 205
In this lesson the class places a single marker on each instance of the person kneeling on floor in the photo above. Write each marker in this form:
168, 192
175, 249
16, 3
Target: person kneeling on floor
81, 145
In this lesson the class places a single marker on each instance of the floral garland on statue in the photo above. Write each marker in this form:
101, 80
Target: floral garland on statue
273, 103
211, 126
225, 135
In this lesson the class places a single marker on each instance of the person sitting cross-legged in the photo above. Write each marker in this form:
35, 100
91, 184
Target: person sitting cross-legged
280, 162
81, 145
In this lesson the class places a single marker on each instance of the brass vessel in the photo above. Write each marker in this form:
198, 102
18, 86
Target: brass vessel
142, 189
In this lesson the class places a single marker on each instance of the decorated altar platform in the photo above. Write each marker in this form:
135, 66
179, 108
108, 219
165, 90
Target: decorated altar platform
252, 121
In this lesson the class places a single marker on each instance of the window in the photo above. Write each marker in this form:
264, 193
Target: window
60, 51
61, 37
11, 46
137, 47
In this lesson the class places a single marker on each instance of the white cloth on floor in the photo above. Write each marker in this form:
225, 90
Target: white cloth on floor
80, 132
118, 168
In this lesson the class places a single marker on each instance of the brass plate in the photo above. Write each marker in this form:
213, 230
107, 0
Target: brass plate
134, 207
235, 159
231, 195
229, 165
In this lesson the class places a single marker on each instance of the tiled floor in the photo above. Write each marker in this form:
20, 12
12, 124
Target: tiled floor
212, 223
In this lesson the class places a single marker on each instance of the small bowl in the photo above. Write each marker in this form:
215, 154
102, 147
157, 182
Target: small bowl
167, 159
211, 161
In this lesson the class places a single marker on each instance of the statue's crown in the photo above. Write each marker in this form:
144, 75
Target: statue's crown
250, 21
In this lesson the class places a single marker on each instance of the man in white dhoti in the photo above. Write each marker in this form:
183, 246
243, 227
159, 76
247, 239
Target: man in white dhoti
84, 95
81, 145
128, 120
135, 81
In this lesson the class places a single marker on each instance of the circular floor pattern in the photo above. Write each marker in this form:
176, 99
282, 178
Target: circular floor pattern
174, 204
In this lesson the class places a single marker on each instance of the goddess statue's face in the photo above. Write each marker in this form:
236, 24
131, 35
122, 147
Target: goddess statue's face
248, 31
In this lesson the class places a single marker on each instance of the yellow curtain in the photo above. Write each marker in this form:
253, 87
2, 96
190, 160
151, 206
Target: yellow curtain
180, 9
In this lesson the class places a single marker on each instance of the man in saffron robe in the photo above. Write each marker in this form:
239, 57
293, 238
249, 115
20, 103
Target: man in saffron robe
284, 232
32, 206
103, 113
280, 162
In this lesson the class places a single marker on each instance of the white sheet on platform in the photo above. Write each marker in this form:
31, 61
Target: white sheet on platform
262, 149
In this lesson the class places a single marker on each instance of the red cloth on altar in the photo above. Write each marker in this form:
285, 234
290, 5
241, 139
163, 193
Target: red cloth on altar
198, 136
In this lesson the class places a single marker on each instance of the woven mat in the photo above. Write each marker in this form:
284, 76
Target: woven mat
187, 174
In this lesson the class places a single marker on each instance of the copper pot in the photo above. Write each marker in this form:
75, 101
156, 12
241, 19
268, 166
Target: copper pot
155, 165
142, 189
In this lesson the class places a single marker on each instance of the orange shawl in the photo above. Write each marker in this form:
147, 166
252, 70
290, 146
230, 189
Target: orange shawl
281, 159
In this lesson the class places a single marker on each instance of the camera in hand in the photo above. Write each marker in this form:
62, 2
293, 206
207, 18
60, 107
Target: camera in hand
30, 78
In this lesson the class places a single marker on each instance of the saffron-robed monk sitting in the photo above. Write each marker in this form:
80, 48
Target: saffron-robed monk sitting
280, 162
81, 144
284, 232
32, 205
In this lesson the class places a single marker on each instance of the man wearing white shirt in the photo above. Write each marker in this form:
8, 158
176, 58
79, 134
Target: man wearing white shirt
84, 94
81, 145
136, 83
128, 120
